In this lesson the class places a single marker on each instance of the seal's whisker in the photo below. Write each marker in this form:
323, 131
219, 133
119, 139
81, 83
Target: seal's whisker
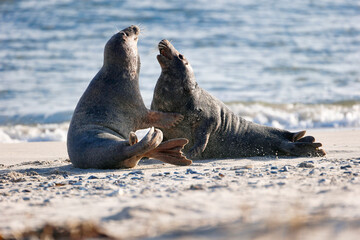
117, 29
142, 28
154, 49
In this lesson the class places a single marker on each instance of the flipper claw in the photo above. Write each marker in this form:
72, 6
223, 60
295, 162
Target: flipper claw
132, 138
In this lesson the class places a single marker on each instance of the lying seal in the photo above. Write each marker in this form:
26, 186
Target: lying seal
212, 129
112, 107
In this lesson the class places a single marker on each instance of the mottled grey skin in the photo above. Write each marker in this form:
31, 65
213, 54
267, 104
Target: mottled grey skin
212, 129
112, 108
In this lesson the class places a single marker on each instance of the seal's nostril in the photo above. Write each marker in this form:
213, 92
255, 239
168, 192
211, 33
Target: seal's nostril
135, 29
181, 56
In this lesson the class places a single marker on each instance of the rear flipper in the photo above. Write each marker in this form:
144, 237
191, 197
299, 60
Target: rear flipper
308, 139
137, 150
170, 152
299, 145
151, 140
303, 148
299, 137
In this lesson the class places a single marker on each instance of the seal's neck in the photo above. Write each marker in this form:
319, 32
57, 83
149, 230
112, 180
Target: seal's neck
126, 68
180, 80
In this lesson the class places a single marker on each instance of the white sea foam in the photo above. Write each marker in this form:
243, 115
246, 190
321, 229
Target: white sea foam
295, 116
34, 133
287, 116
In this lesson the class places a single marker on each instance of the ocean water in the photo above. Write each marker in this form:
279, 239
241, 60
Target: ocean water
289, 64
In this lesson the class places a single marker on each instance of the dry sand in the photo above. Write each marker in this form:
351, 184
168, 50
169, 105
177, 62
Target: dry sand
252, 198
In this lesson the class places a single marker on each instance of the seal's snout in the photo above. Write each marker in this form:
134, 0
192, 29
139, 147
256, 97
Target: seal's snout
164, 48
135, 29
164, 43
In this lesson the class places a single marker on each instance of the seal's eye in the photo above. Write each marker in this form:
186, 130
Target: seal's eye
181, 57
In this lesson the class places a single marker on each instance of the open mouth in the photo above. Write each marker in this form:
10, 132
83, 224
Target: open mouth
164, 50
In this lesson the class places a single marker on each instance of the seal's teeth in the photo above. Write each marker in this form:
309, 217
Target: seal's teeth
161, 46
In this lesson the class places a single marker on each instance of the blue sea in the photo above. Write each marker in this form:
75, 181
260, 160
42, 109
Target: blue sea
288, 64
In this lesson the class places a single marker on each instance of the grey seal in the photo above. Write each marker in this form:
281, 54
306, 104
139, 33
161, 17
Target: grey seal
101, 133
212, 129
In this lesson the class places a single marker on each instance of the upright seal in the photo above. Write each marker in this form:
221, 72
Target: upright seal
112, 108
212, 129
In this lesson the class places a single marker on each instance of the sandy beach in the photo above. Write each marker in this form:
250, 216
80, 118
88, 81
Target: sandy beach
42, 194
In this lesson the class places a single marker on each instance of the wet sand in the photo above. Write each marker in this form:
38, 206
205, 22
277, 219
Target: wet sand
255, 198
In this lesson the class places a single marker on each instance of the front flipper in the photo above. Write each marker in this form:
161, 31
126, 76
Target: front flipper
300, 148
170, 152
202, 135
162, 119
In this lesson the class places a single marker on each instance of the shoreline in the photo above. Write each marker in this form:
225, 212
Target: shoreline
16, 152
259, 197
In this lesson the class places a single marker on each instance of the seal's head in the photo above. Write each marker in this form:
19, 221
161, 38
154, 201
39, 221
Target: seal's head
121, 49
175, 65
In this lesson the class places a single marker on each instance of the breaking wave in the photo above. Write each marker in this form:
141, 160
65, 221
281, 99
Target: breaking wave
288, 116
